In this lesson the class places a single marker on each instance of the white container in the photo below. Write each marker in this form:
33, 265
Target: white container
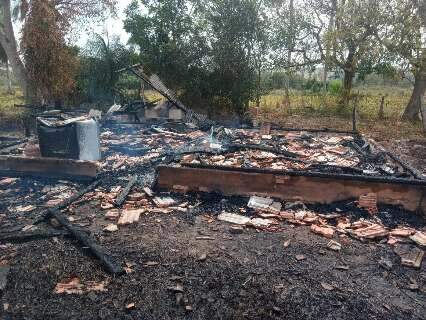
88, 140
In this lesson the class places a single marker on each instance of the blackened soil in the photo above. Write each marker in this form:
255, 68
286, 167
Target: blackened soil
244, 276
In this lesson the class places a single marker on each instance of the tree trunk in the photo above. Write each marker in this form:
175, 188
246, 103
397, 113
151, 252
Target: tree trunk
413, 108
328, 49
258, 85
423, 111
347, 87
8, 79
8, 42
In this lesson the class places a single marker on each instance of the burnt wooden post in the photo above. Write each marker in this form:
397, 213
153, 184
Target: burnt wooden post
381, 108
354, 111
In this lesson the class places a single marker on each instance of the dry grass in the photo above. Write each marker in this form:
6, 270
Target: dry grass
7, 105
317, 111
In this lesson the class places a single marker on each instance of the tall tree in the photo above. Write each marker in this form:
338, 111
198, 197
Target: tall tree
216, 49
294, 43
170, 38
70, 11
237, 40
3, 59
403, 37
351, 37
99, 59
51, 66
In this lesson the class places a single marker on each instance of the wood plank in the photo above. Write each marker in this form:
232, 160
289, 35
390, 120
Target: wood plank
309, 188
47, 167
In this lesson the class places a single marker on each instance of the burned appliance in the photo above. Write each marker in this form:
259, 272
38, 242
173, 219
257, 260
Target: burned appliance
75, 138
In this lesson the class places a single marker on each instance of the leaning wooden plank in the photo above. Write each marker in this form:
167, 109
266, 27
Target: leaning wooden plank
125, 192
47, 167
86, 241
311, 188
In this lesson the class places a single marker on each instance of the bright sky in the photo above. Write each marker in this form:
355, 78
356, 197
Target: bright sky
113, 26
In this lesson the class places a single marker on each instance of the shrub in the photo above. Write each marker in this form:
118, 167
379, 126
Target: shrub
335, 87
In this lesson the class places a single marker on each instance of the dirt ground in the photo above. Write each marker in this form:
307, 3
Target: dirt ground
232, 276
189, 265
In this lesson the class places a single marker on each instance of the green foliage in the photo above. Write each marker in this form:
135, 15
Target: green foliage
170, 41
99, 60
335, 87
313, 85
206, 50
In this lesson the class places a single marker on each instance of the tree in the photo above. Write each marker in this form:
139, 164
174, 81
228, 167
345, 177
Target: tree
238, 49
293, 41
351, 37
99, 59
211, 50
69, 11
406, 24
169, 36
51, 66
3, 59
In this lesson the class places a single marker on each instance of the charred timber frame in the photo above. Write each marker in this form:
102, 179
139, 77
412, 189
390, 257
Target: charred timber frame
310, 187
15, 166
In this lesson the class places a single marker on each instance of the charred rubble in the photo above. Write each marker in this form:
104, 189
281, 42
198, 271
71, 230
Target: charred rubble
295, 205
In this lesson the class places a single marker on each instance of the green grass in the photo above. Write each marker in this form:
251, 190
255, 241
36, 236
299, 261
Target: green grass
317, 110
318, 104
8, 111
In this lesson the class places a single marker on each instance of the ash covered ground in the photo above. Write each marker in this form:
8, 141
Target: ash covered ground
182, 262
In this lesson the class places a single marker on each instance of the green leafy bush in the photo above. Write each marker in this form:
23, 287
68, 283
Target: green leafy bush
335, 87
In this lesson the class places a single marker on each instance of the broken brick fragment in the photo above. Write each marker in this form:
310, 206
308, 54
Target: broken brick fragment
323, 231
368, 202
402, 232
371, 232
419, 238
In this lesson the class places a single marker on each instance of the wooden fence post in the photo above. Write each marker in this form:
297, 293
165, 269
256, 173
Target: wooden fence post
381, 109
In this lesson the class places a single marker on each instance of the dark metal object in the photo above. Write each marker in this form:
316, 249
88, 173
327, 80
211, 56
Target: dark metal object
406, 166
87, 241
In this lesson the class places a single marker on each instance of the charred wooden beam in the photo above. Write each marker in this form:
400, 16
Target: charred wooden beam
12, 144
237, 146
310, 187
48, 167
9, 149
125, 192
64, 204
417, 174
325, 130
87, 241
